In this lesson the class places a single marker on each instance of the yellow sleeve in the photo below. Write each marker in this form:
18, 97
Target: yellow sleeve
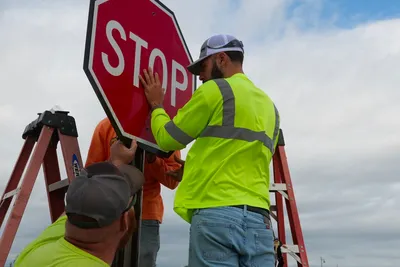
277, 128
188, 123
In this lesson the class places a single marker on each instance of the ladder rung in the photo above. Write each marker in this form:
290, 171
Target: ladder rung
58, 185
290, 248
277, 187
11, 193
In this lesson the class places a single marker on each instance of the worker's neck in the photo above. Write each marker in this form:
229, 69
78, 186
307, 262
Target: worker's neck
234, 69
104, 251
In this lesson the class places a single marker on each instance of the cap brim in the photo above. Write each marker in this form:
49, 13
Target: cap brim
195, 67
134, 177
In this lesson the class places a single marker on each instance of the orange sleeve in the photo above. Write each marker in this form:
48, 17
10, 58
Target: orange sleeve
98, 151
160, 166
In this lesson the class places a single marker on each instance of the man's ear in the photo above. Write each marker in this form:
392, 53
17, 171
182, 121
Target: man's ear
124, 222
132, 220
127, 220
222, 59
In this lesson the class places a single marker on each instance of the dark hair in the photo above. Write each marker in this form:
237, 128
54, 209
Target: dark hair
235, 56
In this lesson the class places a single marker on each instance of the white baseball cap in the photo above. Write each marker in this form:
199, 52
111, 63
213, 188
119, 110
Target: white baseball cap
215, 44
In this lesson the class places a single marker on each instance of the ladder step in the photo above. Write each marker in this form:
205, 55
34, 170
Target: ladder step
280, 188
290, 248
277, 187
11, 193
58, 185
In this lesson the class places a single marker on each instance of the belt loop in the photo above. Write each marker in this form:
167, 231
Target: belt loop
195, 211
245, 210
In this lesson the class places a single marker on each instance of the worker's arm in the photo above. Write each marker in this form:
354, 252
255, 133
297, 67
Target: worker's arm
97, 150
186, 126
277, 125
159, 168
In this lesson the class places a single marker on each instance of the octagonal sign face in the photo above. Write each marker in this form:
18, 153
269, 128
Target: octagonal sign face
123, 38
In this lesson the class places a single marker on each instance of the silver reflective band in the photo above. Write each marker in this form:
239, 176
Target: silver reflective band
177, 133
228, 129
228, 102
230, 132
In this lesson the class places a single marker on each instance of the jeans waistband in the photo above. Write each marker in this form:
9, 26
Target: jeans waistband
258, 210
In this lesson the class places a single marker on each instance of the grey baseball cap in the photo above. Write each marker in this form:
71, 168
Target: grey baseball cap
215, 44
101, 194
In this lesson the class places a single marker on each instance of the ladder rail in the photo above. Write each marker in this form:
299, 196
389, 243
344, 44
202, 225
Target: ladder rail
21, 199
52, 176
11, 188
280, 212
293, 212
71, 155
283, 189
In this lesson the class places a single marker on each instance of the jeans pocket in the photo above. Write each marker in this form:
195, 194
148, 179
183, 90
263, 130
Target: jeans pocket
211, 239
264, 241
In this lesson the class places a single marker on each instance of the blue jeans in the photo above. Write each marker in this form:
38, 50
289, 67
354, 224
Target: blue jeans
149, 243
230, 237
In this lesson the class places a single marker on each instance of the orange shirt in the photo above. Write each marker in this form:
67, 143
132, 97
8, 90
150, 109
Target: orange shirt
152, 205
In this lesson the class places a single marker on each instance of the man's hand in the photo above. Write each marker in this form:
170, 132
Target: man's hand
177, 174
120, 154
152, 88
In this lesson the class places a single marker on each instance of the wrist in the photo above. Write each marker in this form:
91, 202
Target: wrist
116, 162
156, 106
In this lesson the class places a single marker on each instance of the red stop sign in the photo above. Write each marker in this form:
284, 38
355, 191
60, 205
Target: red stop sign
123, 38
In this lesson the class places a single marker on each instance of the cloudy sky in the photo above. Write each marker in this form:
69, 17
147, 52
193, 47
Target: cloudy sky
332, 68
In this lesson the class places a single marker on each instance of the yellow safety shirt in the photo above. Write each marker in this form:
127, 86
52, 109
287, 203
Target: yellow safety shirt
50, 249
236, 127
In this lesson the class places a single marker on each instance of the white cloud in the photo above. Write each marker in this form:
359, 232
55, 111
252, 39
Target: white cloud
336, 89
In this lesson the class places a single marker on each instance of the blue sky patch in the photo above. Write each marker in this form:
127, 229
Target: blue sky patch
342, 13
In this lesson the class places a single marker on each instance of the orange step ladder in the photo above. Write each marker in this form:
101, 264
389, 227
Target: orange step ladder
49, 129
283, 190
